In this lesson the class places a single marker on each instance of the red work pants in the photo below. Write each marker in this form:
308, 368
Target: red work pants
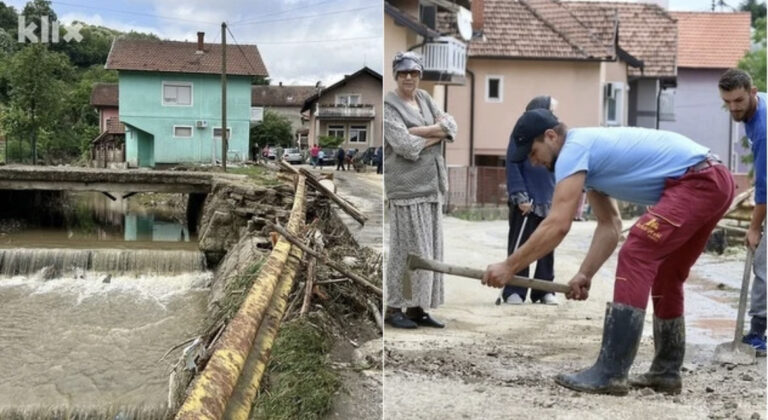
665, 242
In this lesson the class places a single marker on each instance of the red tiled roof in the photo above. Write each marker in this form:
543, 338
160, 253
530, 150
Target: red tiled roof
711, 40
281, 95
104, 94
535, 29
182, 57
646, 31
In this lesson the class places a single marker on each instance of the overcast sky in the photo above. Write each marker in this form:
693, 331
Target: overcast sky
300, 41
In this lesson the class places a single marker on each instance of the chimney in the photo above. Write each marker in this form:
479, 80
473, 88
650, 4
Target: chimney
200, 37
478, 15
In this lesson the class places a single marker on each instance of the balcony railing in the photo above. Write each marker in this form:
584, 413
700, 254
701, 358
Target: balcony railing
362, 111
446, 55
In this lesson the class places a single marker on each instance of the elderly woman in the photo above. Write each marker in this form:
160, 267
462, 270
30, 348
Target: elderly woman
415, 182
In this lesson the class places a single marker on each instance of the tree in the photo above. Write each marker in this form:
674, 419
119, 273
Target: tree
36, 77
274, 130
330, 141
756, 9
36, 9
754, 61
9, 20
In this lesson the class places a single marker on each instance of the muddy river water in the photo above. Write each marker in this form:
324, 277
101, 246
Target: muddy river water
91, 303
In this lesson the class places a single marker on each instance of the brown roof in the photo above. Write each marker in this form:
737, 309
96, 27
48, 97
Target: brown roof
281, 95
536, 29
711, 40
182, 57
646, 31
104, 94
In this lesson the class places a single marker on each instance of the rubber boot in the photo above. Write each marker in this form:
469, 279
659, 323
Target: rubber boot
621, 337
669, 344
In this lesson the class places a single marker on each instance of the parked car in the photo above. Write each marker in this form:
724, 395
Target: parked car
330, 156
292, 155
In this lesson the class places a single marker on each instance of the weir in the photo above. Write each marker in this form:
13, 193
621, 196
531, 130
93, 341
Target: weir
23, 261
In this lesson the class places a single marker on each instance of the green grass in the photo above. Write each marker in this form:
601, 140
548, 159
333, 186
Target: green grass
481, 213
300, 382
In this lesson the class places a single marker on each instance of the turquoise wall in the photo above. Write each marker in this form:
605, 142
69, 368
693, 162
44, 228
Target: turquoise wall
150, 139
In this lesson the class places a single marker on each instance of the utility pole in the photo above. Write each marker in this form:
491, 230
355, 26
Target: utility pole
224, 137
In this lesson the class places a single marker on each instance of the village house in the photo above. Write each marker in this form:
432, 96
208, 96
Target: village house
286, 101
108, 148
709, 43
170, 100
350, 109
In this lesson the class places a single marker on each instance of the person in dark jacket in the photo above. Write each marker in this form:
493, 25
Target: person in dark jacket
340, 159
379, 158
530, 191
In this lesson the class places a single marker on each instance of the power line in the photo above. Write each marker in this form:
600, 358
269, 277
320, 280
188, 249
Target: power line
312, 41
286, 10
128, 12
335, 12
241, 50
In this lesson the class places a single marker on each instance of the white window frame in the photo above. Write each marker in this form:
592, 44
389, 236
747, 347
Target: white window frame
191, 131
191, 93
667, 104
617, 91
358, 128
336, 127
348, 95
215, 137
488, 79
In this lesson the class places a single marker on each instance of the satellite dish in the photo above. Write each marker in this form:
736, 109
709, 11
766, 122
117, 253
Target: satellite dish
464, 22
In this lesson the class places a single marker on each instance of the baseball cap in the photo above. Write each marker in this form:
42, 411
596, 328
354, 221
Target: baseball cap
530, 125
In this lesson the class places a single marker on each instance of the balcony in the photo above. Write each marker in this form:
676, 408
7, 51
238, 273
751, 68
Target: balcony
354, 112
445, 60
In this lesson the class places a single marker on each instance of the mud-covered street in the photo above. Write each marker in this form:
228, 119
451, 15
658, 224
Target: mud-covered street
498, 362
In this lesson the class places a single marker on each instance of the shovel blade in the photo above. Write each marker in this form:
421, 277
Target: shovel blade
736, 353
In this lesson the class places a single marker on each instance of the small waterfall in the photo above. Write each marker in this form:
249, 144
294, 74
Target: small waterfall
25, 261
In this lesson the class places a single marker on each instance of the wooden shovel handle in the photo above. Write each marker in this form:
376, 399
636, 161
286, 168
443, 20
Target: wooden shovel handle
416, 262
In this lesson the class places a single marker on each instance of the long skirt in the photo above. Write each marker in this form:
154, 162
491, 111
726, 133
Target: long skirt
418, 229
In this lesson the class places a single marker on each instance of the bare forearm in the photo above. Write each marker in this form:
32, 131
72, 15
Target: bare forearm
603, 244
544, 240
758, 217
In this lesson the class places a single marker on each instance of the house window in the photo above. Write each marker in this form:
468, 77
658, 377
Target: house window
358, 134
667, 105
336, 131
348, 100
217, 133
183, 131
614, 103
177, 94
494, 86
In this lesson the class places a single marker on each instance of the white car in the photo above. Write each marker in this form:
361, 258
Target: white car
292, 155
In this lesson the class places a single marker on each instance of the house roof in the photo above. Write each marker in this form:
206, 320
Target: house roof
281, 95
104, 94
646, 31
405, 19
182, 57
365, 70
537, 29
711, 40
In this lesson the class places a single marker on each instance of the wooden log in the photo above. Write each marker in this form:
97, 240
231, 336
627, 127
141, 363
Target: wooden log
344, 204
325, 260
416, 262
311, 266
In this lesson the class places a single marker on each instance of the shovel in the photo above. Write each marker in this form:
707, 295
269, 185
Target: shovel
416, 262
736, 352
517, 245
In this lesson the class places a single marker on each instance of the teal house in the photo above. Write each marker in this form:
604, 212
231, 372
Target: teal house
170, 100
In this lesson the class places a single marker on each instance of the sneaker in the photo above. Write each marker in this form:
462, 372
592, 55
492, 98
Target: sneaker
514, 299
757, 342
549, 299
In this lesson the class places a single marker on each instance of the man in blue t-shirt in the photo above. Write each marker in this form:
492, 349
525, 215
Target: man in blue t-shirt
689, 190
748, 106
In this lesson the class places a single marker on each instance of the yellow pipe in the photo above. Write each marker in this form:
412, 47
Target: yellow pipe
239, 407
208, 397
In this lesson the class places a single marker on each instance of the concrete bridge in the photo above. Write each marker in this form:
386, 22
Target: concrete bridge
106, 180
